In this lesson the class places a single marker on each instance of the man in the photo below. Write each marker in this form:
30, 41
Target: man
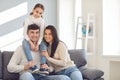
19, 63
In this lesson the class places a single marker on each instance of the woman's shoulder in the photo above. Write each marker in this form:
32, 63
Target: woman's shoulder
61, 43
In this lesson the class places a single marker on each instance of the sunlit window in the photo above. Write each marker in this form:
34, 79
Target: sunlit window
111, 27
13, 13
12, 40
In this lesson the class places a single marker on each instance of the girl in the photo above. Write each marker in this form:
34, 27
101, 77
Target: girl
58, 55
35, 17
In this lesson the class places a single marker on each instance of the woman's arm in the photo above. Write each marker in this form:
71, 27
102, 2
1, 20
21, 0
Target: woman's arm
62, 54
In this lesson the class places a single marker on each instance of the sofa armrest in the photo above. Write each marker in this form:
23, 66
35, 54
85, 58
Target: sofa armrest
91, 73
6, 56
1, 65
78, 56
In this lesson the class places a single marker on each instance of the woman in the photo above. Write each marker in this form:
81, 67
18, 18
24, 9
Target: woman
58, 55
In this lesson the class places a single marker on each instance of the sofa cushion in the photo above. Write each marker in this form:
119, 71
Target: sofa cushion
78, 56
7, 75
0, 65
100, 79
95, 79
91, 74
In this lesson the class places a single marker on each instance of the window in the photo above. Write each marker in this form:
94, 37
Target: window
111, 27
78, 13
12, 40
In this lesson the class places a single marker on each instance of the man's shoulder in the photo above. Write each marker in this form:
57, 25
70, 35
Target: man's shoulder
19, 48
19, 51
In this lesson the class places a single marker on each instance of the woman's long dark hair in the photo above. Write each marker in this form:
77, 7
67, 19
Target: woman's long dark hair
55, 39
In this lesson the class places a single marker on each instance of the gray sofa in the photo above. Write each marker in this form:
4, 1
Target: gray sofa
78, 55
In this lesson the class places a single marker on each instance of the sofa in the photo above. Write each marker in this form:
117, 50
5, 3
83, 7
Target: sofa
77, 55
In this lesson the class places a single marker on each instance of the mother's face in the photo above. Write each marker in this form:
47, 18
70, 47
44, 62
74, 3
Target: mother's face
48, 36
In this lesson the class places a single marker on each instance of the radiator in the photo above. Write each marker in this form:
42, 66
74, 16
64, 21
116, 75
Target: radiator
114, 70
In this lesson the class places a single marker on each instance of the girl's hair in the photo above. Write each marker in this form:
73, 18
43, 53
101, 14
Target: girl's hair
55, 39
36, 6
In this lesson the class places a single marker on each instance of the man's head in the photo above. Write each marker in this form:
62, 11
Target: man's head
33, 32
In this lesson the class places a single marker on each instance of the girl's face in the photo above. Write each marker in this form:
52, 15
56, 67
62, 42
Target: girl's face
48, 36
37, 12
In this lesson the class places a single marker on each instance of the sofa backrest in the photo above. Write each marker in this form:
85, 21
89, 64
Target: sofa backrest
78, 56
0, 65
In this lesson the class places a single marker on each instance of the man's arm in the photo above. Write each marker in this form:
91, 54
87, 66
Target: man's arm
14, 64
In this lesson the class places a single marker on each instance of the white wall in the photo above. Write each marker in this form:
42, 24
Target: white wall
66, 21
98, 60
12, 22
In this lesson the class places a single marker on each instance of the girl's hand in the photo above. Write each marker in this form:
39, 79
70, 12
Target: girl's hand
36, 48
32, 46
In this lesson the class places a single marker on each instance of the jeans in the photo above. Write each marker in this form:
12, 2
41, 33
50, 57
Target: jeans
26, 76
29, 76
26, 48
71, 72
43, 47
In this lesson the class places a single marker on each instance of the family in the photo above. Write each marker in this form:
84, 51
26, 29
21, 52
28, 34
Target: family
42, 55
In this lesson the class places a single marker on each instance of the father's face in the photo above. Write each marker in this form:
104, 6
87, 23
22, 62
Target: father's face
34, 35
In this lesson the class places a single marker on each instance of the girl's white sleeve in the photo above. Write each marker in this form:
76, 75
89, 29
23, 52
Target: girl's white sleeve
26, 23
42, 27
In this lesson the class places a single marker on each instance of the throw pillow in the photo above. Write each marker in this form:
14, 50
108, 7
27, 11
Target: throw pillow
90, 73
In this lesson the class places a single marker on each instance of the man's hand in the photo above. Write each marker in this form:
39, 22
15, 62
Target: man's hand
26, 66
31, 63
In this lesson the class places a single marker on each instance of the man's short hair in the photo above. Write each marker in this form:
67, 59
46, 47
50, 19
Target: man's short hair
33, 27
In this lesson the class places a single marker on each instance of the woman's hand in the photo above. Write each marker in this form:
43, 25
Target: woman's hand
45, 53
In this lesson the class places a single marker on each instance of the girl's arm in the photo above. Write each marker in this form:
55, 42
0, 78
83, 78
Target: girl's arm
42, 27
25, 24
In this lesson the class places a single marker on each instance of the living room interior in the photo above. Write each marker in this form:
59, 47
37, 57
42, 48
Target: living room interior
102, 49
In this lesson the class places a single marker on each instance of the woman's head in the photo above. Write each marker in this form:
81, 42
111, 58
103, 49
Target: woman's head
50, 34
51, 37
37, 10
